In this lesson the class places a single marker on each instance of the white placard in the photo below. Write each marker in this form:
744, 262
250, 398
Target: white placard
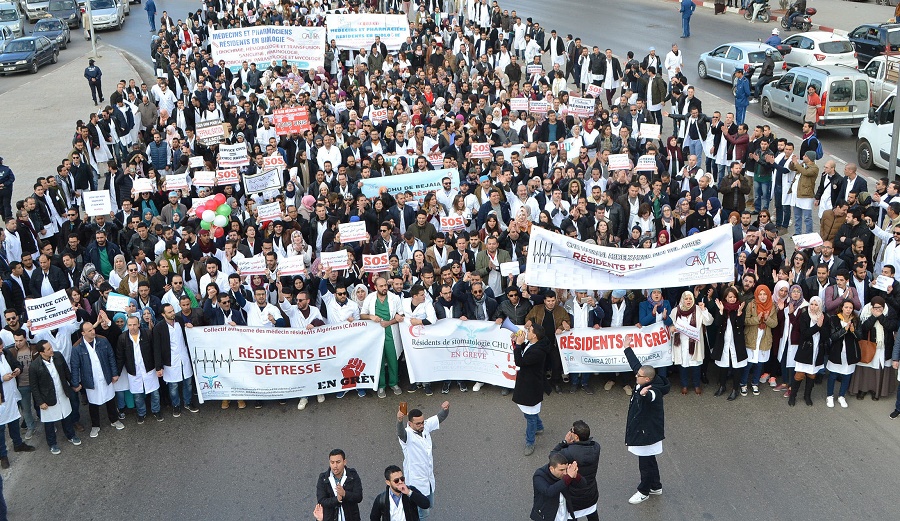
195, 162
176, 181
692, 332
581, 107
509, 268
530, 162
376, 263
117, 302
453, 223
251, 266
353, 232
807, 240
336, 260
97, 203
293, 265
539, 107
518, 104
649, 131
228, 176
378, 115
593, 91
645, 163
268, 212
49, 312
619, 162
235, 155
275, 161
142, 185
884, 282
481, 150
204, 178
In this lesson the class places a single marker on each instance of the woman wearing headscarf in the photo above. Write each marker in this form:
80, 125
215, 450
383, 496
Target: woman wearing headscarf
299, 247
772, 368
688, 351
814, 342
668, 222
662, 238
761, 318
843, 352
714, 210
730, 350
306, 208
359, 294
119, 272
877, 378
789, 339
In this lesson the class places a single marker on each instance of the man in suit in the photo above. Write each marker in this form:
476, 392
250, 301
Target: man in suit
177, 368
16, 287
851, 183
339, 489
403, 214
47, 280
530, 350
142, 361
397, 496
816, 285
550, 481
828, 258
44, 383
223, 314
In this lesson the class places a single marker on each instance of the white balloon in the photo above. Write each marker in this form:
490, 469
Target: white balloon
221, 221
209, 215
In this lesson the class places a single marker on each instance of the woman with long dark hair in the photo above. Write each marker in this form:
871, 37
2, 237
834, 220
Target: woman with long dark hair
843, 352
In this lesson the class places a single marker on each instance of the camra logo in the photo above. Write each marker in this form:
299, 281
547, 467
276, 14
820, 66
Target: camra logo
211, 383
703, 257
352, 376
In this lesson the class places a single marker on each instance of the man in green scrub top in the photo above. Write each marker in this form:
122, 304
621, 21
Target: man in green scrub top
384, 308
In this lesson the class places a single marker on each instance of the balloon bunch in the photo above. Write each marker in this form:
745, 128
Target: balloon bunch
214, 215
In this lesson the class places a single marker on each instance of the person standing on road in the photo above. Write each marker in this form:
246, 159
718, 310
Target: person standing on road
94, 367
418, 456
645, 425
687, 10
385, 308
93, 75
741, 96
142, 362
10, 418
579, 448
530, 352
552, 486
339, 490
49, 374
150, 7
170, 338
398, 501
6, 187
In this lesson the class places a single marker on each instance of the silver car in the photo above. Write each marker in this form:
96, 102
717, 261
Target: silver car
12, 18
107, 14
721, 62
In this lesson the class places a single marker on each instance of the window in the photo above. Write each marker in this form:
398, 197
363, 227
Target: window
838, 47
872, 69
841, 91
893, 38
807, 44
800, 86
785, 82
720, 52
817, 84
887, 114
793, 41
735, 54
862, 90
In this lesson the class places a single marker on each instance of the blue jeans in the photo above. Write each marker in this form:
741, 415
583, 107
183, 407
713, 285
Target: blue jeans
685, 26
533, 424
696, 148
693, 372
424, 512
763, 193
806, 217
579, 379
15, 434
68, 426
187, 388
756, 370
75, 400
897, 403
140, 403
845, 383
151, 17
782, 214
27, 407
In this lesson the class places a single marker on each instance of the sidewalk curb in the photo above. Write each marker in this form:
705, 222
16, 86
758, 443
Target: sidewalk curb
774, 17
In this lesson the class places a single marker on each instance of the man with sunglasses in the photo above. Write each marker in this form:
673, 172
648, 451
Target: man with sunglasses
398, 501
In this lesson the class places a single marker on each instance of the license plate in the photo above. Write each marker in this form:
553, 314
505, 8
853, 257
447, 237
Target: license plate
9, 68
838, 109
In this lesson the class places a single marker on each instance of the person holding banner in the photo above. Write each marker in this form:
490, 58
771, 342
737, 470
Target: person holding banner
688, 349
385, 308
530, 350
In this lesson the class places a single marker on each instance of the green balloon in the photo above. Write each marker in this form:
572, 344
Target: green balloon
205, 225
224, 209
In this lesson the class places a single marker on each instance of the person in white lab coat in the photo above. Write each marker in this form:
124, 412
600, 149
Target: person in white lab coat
49, 376
95, 369
143, 366
170, 338
420, 312
418, 460
10, 369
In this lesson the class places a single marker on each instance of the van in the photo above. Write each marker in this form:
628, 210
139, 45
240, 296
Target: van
882, 72
873, 147
845, 93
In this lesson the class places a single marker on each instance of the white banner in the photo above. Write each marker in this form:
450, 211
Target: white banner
454, 349
117, 301
560, 262
419, 183
358, 31
646, 163
588, 350
807, 240
233, 155
250, 363
300, 46
293, 265
649, 131
229, 176
176, 181
204, 178
97, 203
261, 182
251, 266
619, 162
336, 260
453, 223
481, 150
353, 232
49, 312
268, 212
581, 107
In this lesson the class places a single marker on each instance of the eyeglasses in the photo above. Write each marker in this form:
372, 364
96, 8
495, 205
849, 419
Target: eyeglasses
132, 271
177, 283
399, 480
73, 215
477, 292
383, 230
341, 293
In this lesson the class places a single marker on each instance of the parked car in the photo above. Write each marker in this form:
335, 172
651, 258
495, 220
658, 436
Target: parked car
6, 35
882, 72
873, 147
35, 9
12, 17
873, 40
721, 62
845, 94
107, 14
818, 48
54, 29
67, 10
28, 54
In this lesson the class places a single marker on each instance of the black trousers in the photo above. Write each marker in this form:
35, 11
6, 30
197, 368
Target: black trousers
111, 411
96, 90
649, 474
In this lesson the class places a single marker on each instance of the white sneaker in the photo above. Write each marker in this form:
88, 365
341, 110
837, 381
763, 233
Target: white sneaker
638, 498
842, 401
829, 402
95, 431
302, 404
656, 492
477, 387
320, 398
118, 425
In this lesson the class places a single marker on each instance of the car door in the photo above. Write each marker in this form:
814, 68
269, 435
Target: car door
781, 93
797, 56
884, 148
733, 60
796, 105
715, 61
43, 51
865, 39
876, 81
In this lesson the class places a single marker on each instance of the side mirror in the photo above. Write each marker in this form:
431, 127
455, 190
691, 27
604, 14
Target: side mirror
872, 115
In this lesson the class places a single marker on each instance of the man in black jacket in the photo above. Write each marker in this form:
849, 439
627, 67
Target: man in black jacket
579, 448
47, 374
549, 481
398, 495
645, 425
54, 277
339, 490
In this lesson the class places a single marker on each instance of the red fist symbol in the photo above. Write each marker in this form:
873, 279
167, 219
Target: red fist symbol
351, 372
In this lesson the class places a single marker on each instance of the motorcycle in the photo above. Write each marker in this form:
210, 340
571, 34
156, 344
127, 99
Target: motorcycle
802, 22
760, 9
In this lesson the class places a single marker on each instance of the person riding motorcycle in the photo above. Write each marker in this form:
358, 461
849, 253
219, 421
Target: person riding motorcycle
758, 6
798, 8
766, 74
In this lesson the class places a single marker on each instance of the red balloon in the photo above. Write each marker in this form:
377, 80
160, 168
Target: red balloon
219, 199
219, 233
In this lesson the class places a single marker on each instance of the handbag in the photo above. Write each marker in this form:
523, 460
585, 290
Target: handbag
866, 351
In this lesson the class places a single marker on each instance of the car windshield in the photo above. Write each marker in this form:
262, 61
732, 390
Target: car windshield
103, 4
838, 47
760, 56
8, 15
62, 5
47, 25
19, 46
894, 37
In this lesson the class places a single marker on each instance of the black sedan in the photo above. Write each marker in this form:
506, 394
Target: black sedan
28, 54
55, 30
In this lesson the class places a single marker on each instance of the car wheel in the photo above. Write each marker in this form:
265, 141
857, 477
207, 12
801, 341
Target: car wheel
55, 57
864, 155
766, 107
34, 67
701, 70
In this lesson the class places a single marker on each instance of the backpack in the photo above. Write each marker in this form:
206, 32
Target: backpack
819, 151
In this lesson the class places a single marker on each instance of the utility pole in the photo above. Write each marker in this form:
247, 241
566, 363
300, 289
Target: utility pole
87, 5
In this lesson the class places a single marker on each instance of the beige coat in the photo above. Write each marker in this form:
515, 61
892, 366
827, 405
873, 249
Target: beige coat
751, 327
680, 350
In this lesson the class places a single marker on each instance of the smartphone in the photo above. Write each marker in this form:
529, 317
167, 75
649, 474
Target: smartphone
404, 408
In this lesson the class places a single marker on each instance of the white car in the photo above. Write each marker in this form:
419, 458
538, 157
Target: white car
107, 14
819, 48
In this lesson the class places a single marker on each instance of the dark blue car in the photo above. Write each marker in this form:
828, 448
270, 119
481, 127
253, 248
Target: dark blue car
28, 54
